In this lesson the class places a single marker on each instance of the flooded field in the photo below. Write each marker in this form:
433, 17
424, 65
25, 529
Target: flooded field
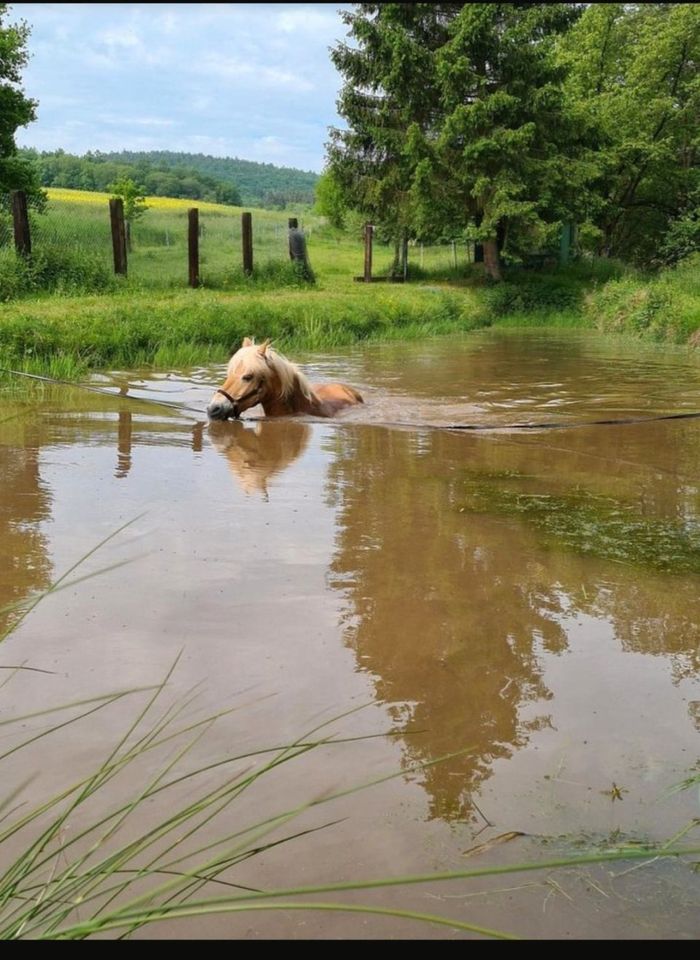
501, 627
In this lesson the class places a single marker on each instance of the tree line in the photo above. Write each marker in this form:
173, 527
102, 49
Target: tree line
503, 123
96, 172
260, 184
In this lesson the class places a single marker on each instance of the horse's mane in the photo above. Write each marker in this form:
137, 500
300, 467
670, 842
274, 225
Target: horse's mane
289, 375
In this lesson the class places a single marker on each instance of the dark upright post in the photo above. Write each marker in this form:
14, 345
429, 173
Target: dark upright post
20, 218
293, 225
116, 216
247, 240
193, 245
368, 253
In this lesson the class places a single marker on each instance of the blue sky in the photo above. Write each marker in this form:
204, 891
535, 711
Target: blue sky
248, 80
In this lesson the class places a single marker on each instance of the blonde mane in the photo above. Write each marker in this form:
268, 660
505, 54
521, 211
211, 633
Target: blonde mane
290, 377
259, 375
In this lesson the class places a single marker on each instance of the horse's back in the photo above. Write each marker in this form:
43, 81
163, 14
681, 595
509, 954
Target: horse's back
337, 395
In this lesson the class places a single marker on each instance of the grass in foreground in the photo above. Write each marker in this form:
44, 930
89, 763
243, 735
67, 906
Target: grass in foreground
65, 312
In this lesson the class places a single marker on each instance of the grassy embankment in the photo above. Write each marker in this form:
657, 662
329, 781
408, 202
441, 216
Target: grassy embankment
65, 312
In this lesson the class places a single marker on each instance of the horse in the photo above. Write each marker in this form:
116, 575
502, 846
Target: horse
256, 455
257, 374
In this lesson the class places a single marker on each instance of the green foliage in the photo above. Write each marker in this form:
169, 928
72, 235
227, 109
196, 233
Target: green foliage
133, 197
97, 171
330, 201
53, 269
16, 109
633, 73
498, 123
663, 308
255, 181
682, 238
192, 176
457, 123
129, 329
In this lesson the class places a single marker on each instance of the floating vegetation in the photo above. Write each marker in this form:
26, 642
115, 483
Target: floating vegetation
591, 524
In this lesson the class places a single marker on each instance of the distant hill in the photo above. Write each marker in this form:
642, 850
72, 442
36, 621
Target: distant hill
192, 175
259, 184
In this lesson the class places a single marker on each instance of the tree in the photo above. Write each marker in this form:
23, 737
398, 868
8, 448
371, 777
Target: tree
330, 201
389, 84
633, 69
458, 121
133, 198
16, 110
505, 157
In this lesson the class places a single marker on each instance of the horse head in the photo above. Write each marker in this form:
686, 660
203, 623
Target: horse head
250, 379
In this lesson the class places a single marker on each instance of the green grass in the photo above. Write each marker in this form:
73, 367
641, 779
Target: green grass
198, 325
65, 312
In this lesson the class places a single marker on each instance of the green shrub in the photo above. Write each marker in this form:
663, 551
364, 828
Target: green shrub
53, 269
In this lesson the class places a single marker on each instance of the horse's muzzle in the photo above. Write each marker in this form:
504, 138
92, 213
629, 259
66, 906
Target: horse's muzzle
219, 411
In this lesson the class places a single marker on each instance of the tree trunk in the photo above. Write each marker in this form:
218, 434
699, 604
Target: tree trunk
492, 261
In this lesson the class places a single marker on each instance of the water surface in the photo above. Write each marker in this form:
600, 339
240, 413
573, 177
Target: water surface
521, 606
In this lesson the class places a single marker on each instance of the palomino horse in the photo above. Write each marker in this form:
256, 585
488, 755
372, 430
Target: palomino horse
258, 374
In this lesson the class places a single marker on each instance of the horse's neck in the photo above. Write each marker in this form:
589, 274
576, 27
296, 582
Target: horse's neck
294, 403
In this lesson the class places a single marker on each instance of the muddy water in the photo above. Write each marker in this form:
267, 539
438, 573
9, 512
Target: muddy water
508, 620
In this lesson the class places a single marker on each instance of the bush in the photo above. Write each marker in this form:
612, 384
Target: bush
53, 269
663, 308
532, 292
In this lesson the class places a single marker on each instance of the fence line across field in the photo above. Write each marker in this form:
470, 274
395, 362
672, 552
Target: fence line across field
205, 245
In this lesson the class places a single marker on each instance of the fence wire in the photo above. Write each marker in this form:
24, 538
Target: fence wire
74, 232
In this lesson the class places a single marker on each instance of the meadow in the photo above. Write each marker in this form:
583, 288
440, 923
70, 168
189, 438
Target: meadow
65, 311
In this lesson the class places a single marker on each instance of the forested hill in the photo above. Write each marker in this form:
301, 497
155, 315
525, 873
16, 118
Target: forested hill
260, 184
165, 174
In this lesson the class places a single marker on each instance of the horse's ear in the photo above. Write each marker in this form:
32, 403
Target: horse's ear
247, 342
264, 347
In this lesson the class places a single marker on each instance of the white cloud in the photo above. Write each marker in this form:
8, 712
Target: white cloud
232, 68
308, 20
118, 119
259, 71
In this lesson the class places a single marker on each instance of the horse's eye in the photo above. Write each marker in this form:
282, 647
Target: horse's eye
247, 377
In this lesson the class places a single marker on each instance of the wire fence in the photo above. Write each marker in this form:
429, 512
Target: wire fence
157, 243
75, 233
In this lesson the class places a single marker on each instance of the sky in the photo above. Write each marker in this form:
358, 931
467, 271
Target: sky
250, 80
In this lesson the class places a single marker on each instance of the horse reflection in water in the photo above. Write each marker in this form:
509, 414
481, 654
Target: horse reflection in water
257, 374
256, 454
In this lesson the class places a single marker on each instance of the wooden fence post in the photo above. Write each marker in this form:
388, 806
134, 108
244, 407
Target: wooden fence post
368, 252
116, 216
293, 224
247, 241
193, 246
20, 219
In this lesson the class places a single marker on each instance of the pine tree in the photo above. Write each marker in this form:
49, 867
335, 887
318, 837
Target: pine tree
457, 121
